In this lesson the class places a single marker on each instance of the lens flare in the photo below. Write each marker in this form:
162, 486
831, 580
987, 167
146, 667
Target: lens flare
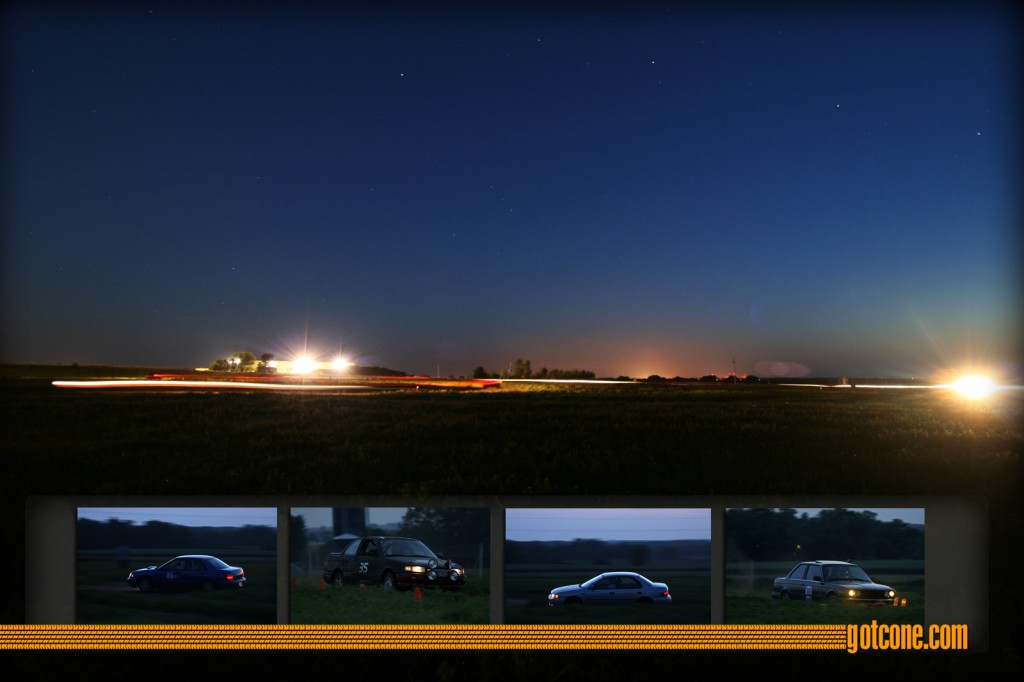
974, 386
303, 365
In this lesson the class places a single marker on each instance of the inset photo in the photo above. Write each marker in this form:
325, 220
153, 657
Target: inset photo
176, 565
604, 565
372, 565
824, 565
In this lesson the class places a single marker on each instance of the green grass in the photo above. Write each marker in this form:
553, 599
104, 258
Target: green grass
313, 603
764, 610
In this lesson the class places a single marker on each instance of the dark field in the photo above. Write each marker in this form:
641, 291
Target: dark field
630, 440
516, 440
313, 603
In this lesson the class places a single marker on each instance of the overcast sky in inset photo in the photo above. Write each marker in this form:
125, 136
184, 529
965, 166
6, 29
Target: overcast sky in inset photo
601, 523
185, 516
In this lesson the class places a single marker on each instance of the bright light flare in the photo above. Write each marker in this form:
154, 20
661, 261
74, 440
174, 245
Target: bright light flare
974, 386
341, 364
303, 365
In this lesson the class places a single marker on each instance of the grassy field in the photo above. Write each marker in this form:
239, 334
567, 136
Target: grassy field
517, 440
553, 440
314, 603
103, 595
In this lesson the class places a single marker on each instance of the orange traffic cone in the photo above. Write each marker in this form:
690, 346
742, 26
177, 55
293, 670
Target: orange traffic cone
417, 594
322, 585
362, 587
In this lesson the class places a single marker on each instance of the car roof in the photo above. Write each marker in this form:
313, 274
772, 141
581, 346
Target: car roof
829, 562
629, 573
388, 537
194, 556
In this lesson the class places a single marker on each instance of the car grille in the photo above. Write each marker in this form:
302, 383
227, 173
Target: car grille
873, 594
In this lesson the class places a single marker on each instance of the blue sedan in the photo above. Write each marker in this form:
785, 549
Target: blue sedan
191, 571
612, 588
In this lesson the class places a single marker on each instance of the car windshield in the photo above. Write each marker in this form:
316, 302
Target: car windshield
592, 581
407, 548
844, 572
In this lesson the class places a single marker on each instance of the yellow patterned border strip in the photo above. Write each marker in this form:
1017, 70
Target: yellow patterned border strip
447, 637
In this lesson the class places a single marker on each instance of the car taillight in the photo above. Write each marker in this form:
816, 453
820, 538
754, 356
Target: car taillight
665, 593
230, 577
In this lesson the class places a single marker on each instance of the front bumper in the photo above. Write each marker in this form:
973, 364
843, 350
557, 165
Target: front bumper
441, 578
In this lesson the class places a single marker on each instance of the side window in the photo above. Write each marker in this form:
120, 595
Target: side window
814, 573
371, 548
798, 572
628, 583
351, 549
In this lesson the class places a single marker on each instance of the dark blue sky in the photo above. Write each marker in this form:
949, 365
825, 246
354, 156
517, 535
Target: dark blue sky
629, 189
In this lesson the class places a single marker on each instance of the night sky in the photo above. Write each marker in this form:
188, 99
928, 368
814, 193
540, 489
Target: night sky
630, 189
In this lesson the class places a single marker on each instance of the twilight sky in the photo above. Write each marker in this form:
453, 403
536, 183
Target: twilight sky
600, 523
185, 516
631, 189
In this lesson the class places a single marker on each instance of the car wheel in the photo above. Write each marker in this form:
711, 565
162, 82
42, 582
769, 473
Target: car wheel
337, 579
784, 596
207, 586
388, 582
832, 598
145, 585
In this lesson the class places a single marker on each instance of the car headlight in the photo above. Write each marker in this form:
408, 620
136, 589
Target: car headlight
415, 569
851, 594
432, 575
552, 596
891, 593
432, 563
453, 575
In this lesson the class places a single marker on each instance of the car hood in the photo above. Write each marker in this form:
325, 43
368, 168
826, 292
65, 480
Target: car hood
566, 588
858, 585
422, 560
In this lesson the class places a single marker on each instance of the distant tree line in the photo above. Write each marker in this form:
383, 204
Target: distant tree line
160, 534
244, 362
707, 379
444, 529
604, 553
521, 369
838, 534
